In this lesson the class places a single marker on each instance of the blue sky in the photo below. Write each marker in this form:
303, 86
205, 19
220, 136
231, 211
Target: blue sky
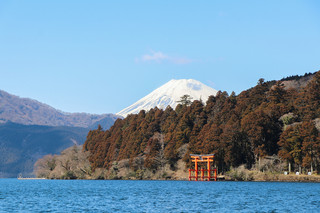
102, 56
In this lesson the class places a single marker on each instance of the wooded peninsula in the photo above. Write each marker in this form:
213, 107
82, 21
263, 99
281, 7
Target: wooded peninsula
259, 134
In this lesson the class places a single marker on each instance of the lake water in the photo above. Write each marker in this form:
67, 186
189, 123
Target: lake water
156, 196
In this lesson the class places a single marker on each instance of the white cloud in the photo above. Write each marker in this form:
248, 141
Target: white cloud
154, 56
160, 57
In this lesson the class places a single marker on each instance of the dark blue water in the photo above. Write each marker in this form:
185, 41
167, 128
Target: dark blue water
156, 196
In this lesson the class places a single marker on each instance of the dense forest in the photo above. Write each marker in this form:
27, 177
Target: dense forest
270, 119
265, 130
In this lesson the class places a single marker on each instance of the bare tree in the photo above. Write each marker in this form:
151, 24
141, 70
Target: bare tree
160, 158
72, 163
44, 166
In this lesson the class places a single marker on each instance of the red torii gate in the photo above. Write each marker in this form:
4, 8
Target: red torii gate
202, 159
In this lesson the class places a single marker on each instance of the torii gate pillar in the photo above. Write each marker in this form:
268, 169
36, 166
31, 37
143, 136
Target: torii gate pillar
202, 159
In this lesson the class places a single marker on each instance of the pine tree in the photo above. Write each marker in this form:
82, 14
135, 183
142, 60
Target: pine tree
185, 100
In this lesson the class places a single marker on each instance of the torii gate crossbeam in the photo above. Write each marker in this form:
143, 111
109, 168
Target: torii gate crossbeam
202, 159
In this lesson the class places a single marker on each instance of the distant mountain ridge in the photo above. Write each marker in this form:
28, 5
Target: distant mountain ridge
22, 145
169, 94
31, 112
30, 129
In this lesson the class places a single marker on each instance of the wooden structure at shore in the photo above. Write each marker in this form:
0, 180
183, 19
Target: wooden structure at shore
199, 173
28, 178
22, 178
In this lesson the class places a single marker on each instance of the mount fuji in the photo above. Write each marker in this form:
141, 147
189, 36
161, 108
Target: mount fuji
169, 94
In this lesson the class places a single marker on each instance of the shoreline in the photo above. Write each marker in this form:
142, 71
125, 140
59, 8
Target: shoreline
269, 177
274, 178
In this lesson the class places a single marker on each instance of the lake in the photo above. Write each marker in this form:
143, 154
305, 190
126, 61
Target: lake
156, 196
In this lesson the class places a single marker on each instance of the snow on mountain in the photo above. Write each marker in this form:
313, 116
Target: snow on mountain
169, 94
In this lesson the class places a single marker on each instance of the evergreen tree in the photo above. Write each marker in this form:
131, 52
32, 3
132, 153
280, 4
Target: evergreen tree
185, 100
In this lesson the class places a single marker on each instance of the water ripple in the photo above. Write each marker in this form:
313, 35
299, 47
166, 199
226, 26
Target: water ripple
156, 196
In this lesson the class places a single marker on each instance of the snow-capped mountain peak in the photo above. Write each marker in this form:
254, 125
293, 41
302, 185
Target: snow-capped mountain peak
169, 94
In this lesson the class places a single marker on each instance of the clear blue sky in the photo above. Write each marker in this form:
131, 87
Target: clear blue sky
100, 57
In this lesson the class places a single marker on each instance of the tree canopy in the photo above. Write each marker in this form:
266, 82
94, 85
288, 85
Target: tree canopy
265, 120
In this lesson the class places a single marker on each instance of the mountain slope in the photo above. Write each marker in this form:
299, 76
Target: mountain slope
169, 94
41, 130
21, 146
31, 112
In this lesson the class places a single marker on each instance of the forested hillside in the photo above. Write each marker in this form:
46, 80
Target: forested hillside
265, 120
27, 111
22, 145
276, 123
